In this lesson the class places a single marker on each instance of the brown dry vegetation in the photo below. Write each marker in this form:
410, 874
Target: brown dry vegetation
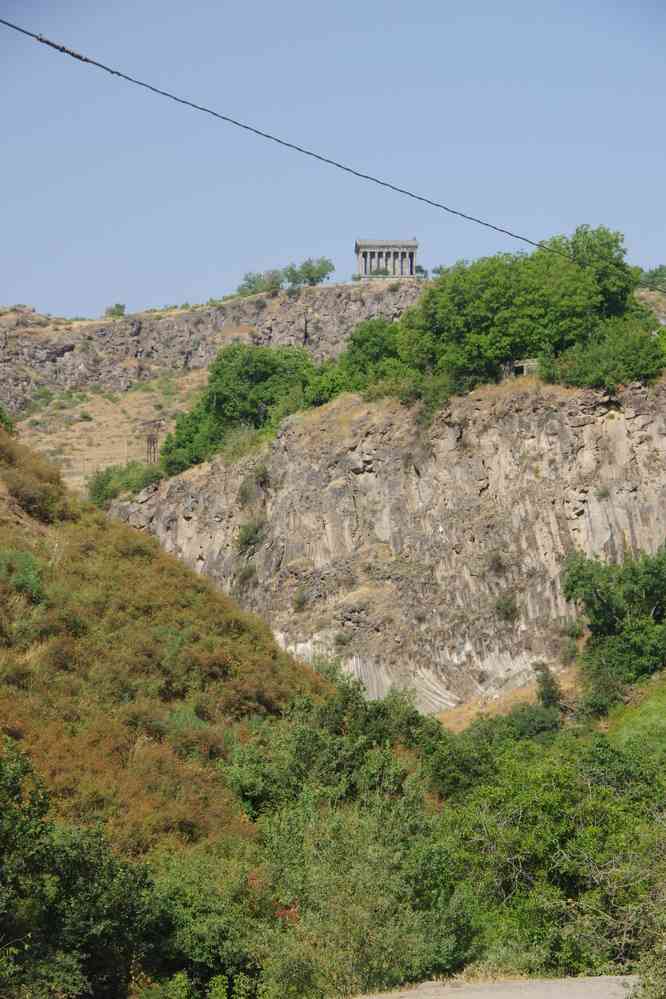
459, 718
122, 672
84, 436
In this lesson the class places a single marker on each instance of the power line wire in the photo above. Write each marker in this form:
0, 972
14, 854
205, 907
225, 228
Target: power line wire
274, 138
539, 244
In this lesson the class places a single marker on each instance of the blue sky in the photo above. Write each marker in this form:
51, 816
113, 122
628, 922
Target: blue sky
536, 115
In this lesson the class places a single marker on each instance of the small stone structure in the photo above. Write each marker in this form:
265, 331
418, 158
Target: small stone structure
395, 257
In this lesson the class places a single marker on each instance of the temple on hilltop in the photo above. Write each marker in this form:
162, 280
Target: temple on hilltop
394, 257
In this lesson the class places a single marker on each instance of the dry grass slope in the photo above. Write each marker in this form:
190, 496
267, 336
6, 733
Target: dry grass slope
122, 673
84, 432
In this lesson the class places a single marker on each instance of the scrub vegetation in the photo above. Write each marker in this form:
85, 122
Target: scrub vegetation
188, 813
570, 303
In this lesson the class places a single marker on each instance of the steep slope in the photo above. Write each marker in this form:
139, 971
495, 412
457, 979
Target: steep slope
426, 557
120, 672
38, 352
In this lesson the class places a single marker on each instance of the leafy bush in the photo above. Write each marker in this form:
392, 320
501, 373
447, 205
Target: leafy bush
114, 480
549, 693
625, 606
23, 573
506, 607
251, 535
311, 272
6, 421
251, 387
623, 351
116, 311
74, 916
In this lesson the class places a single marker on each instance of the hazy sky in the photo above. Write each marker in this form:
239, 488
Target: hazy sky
536, 115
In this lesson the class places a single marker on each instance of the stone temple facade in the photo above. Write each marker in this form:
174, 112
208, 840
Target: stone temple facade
397, 257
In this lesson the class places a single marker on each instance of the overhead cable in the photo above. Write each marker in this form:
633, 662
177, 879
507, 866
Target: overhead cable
65, 50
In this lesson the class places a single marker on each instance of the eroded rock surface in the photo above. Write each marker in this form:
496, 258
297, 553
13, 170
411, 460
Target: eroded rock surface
405, 550
37, 352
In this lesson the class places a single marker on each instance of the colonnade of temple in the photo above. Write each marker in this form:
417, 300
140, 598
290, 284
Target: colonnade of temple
397, 260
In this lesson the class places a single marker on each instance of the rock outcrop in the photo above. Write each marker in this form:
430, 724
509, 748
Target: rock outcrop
38, 352
430, 558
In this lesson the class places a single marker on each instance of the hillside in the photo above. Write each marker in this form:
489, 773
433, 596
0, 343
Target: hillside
121, 671
40, 353
431, 556
82, 432
335, 847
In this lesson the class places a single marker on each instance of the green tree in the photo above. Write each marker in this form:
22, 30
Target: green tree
247, 386
602, 252
311, 272
72, 915
625, 607
256, 282
622, 351
116, 311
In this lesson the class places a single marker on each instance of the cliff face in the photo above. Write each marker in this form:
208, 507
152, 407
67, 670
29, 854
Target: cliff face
430, 558
37, 352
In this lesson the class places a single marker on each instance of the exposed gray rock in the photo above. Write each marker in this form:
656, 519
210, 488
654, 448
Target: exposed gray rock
392, 546
38, 352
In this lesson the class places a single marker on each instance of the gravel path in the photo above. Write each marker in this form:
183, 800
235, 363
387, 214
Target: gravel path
569, 988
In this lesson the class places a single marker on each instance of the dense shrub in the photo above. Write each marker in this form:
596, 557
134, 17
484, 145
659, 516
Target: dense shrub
116, 311
73, 917
250, 535
622, 351
625, 607
6, 421
251, 387
114, 480
23, 572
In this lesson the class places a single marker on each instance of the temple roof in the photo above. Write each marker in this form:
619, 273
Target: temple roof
372, 244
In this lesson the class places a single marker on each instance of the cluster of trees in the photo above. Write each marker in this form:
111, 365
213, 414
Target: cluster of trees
571, 303
310, 273
216, 822
386, 850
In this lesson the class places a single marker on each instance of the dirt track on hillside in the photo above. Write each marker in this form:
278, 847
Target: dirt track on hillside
570, 988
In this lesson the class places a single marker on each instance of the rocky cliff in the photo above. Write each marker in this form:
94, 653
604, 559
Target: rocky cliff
38, 351
426, 557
